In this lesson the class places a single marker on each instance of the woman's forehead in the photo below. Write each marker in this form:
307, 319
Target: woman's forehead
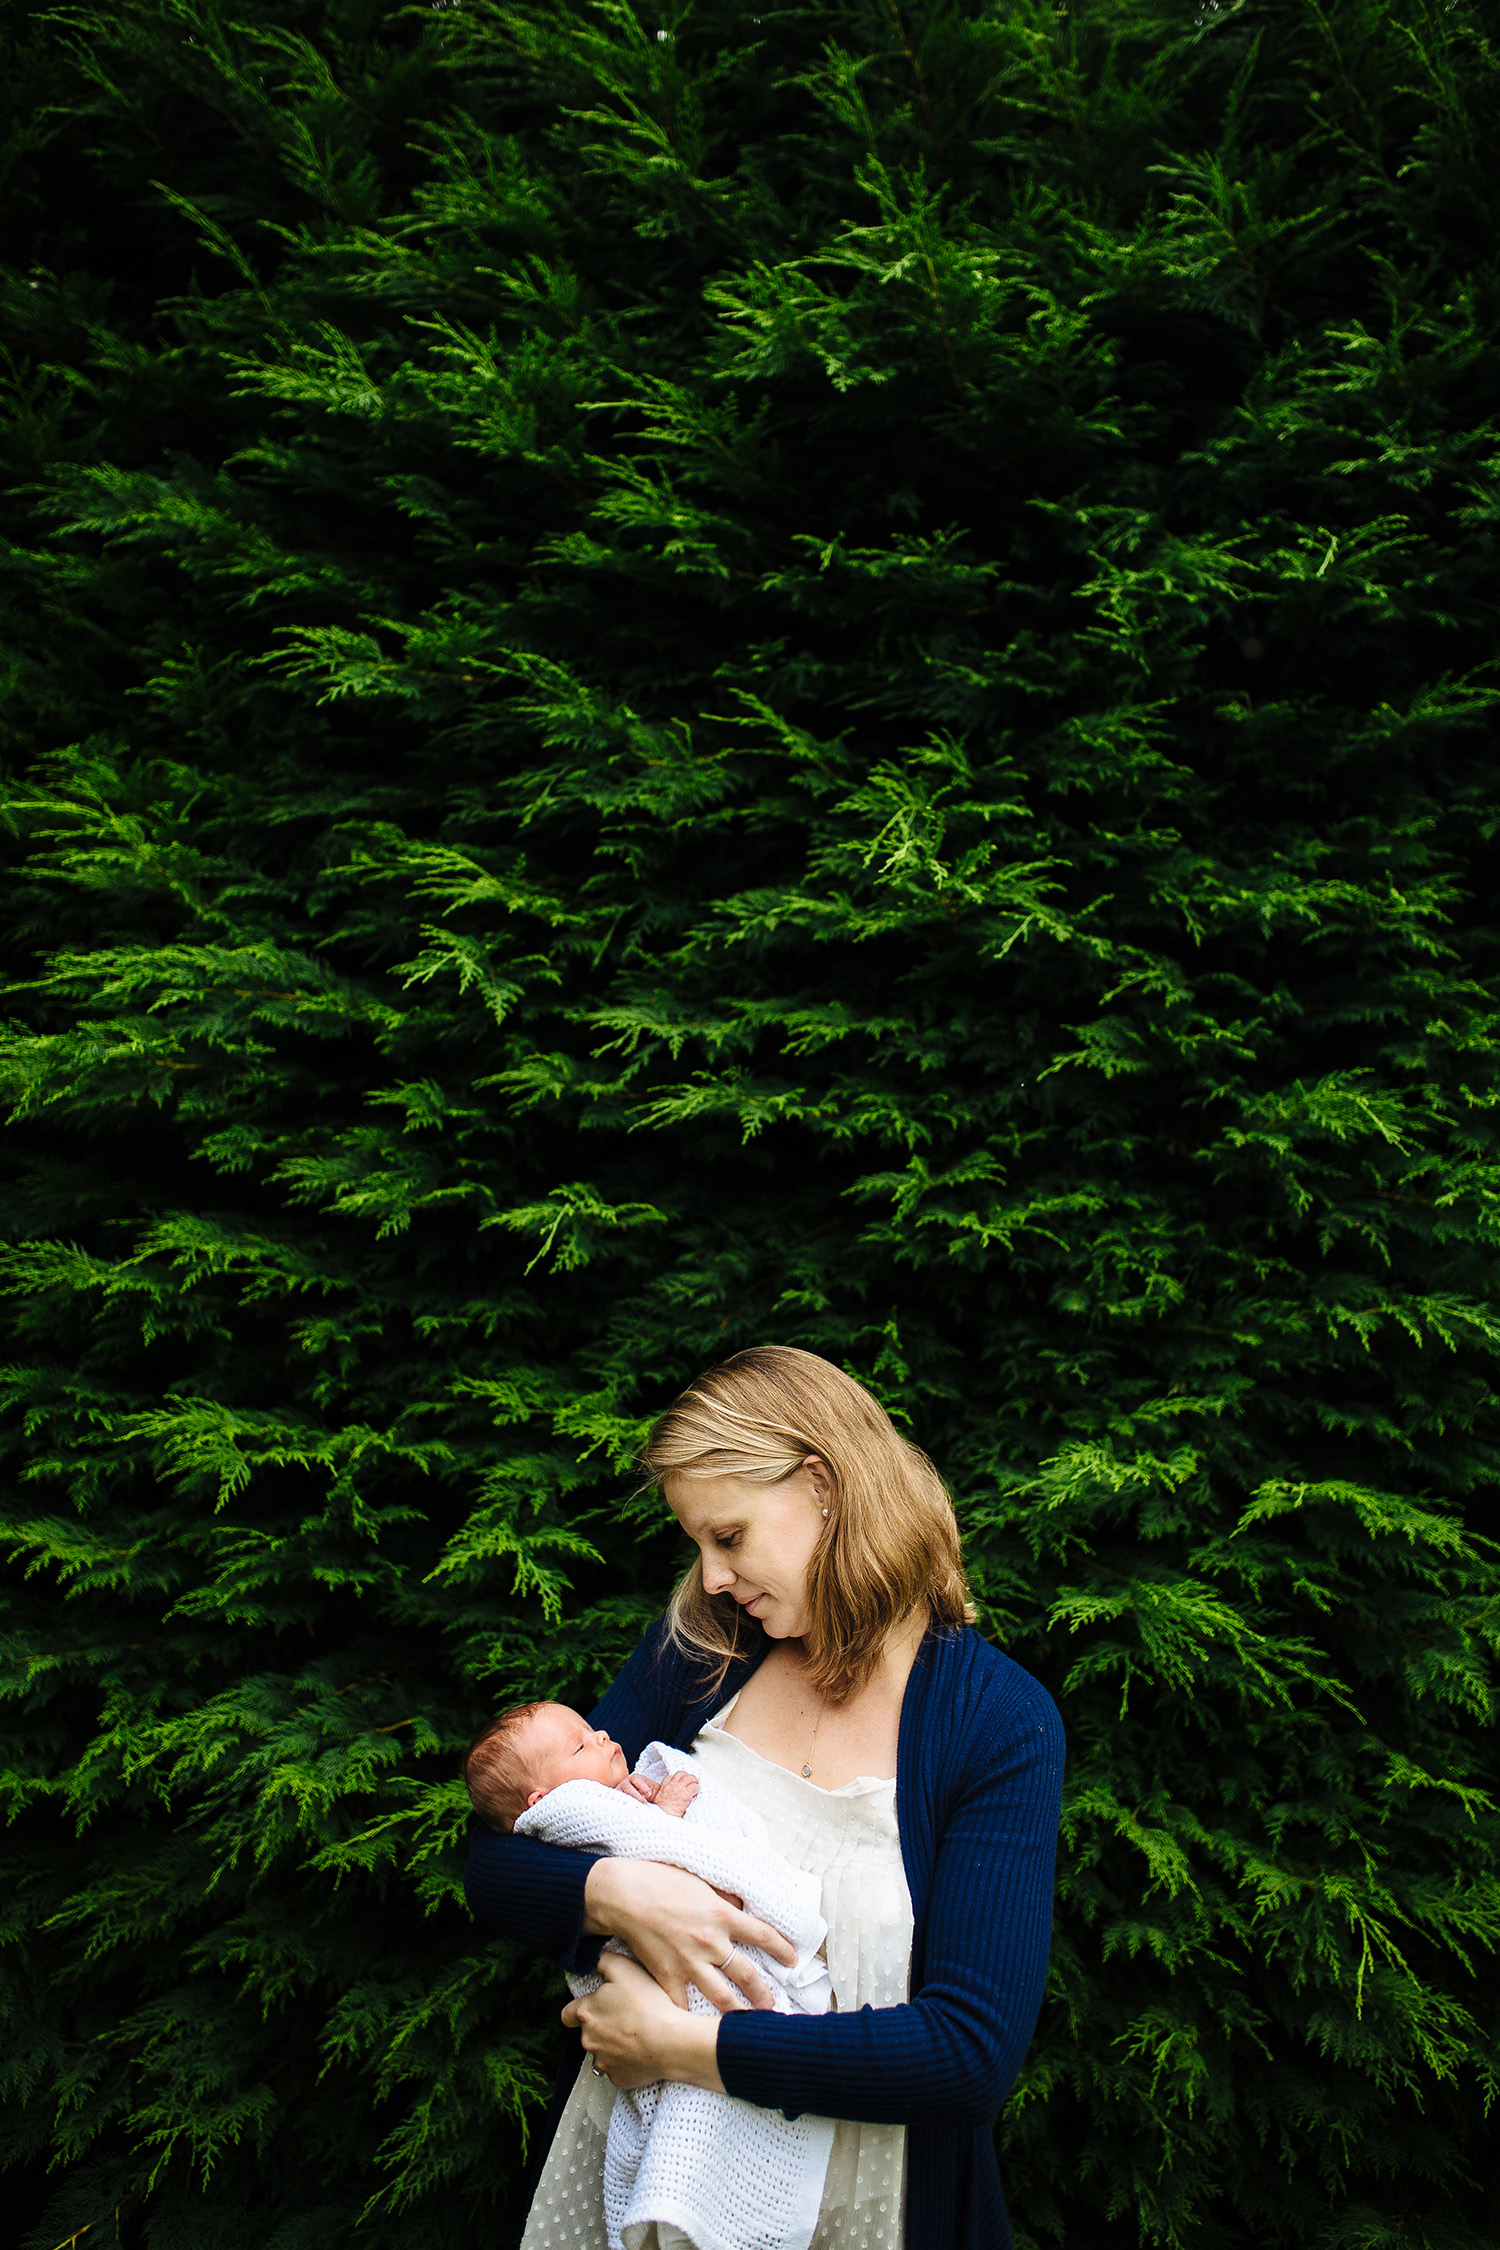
696, 1501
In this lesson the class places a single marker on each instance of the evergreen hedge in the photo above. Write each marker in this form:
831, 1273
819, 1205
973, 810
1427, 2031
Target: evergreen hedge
699, 675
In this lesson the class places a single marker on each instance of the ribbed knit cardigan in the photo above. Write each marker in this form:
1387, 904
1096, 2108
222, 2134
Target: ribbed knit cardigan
978, 1787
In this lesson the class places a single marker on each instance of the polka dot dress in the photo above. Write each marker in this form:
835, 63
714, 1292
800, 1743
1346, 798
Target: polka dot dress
847, 1837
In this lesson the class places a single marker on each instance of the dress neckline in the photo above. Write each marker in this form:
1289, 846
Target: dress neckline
862, 1785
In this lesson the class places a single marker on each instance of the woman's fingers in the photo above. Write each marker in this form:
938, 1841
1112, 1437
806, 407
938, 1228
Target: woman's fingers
735, 1984
748, 1929
747, 1987
635, 2035
616, 1968
683, 1932
740, 1971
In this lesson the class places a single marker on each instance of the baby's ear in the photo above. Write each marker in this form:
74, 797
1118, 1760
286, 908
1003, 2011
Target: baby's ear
535, 1798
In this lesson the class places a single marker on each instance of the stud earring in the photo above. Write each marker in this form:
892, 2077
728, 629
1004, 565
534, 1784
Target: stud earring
825, 1511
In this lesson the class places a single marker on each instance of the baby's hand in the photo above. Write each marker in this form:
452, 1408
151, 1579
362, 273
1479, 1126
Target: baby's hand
673, 1795
636, 1785
676, 1793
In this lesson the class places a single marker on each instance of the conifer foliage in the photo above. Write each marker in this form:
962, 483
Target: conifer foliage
680, 675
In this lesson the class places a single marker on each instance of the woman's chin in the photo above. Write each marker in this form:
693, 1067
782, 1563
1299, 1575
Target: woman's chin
779, 1627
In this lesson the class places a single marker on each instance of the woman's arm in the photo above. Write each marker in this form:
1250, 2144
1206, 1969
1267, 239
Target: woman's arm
535, 1892
564, 1902
684, 1931
950, 2054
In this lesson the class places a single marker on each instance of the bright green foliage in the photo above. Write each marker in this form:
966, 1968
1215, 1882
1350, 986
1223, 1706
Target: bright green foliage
692, 676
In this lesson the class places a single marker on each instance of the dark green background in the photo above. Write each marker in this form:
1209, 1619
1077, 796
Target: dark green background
825, 675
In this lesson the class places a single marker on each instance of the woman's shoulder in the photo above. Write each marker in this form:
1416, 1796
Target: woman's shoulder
969, 1687
663, 1691
983, 1735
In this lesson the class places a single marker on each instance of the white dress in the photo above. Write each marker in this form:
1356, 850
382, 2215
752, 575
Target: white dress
847, 1837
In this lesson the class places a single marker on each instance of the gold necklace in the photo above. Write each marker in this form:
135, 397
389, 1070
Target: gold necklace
812, 1746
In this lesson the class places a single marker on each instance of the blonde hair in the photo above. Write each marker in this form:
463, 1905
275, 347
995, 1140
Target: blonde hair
890, 1544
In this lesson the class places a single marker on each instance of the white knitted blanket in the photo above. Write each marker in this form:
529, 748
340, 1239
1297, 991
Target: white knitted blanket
719, 2173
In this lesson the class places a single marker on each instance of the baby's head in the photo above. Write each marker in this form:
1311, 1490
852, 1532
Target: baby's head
530, 1749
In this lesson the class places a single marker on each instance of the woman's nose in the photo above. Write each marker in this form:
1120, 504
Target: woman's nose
716, 1578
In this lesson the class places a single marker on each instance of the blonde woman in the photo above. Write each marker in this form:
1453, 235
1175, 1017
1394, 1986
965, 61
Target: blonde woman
818, 1657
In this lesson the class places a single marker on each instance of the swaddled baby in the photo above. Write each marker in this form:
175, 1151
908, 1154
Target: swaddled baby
531, 1750
682, 2166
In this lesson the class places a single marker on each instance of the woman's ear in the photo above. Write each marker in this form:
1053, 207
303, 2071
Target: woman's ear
822, 1481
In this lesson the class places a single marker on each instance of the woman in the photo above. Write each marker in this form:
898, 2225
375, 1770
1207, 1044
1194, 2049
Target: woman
817, 1657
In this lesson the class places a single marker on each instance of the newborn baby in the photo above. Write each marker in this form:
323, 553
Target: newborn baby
534, 1748
682, 2165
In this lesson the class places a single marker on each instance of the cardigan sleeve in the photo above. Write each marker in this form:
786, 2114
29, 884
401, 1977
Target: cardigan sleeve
949, 2054
533, 1892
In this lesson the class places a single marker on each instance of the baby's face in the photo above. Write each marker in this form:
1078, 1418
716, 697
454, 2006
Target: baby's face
562, 1747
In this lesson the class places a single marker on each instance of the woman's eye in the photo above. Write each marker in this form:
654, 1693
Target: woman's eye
730, 1539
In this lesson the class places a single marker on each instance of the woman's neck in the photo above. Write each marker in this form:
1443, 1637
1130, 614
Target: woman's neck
891, 1666
781, 1714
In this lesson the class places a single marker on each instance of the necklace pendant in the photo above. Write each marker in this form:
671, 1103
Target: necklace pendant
807, 1771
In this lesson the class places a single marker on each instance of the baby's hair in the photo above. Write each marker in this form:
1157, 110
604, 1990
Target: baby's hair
494, 1770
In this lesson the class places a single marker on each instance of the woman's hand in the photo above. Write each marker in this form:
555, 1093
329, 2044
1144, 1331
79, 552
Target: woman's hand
636, 2035
682, 1931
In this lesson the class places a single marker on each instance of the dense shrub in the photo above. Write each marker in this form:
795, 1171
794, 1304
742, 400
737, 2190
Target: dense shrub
696, 676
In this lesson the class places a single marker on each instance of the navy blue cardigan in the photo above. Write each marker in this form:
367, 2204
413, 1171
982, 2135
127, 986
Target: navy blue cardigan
978, 1787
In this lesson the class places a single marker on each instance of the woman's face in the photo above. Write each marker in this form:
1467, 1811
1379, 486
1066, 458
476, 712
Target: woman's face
756, 1540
